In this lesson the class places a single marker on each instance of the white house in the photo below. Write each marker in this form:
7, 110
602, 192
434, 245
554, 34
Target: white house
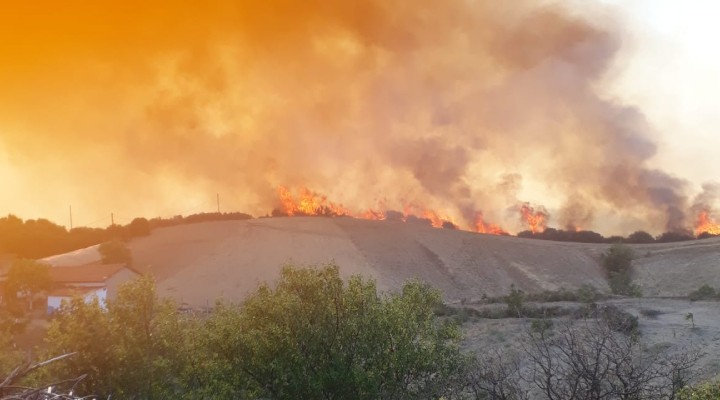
91, 281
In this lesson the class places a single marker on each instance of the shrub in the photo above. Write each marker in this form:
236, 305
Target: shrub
515, 301
706, 391
617, 263
640, 237
588, 294
676, 236
704, 292
650, 313
115, 251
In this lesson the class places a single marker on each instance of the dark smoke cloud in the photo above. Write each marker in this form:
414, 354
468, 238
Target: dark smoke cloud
447, 104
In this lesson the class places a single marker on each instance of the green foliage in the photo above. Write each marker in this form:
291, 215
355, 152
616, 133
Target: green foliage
706, 391
115, 252
618, 258
314, 336
617, 263
10, 355
139, 346
588, 294
514, 301
25, 279
704, 292
540, 326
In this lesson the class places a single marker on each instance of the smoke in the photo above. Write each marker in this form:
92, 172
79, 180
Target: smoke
707, 200
452, 105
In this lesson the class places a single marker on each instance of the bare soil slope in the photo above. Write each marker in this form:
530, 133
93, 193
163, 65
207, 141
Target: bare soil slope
676, 269
198, 263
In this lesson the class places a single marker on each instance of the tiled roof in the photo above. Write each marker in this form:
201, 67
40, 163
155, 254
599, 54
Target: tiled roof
92, 273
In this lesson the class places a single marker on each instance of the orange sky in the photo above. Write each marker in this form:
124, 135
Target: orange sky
460, 106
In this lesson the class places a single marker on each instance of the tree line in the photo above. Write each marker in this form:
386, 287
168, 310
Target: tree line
637, 237
39, 238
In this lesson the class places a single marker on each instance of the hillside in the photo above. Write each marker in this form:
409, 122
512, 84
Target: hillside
199, 262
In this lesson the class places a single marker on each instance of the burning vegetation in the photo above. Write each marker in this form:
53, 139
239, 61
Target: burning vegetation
305, 202
533, 219
705, 224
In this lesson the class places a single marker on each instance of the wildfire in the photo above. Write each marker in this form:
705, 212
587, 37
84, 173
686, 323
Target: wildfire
705, 224
536, 220
483, 227
305, 202
308, 203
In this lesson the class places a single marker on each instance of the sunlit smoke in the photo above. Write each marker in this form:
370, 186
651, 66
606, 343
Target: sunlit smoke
444, 110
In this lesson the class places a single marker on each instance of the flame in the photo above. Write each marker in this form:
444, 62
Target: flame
705, 223
435, 219
536, 220
482, 227
307, 202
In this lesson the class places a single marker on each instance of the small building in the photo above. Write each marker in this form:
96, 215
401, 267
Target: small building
90, 281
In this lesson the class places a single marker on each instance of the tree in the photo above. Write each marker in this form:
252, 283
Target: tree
314, 336
515, 301
495, 375
617, 263
10, 355
592, 359
640, 237
115, 251
137, 347
690, 317
26, 278
138, 227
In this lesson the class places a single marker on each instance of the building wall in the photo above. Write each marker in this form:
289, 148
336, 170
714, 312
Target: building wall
124, 275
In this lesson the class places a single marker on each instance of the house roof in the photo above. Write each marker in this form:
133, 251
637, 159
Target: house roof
91, 273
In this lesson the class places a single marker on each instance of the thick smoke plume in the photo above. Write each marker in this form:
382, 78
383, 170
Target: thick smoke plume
466, 107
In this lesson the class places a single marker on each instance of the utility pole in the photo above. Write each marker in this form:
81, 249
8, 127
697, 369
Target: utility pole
112, 219
218, 202
70, 217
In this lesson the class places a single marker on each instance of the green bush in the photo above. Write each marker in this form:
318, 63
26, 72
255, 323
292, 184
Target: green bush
706, 391
617, 263
311, 336
514, 301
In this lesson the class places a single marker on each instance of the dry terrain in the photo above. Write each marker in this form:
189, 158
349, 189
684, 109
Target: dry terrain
199, 263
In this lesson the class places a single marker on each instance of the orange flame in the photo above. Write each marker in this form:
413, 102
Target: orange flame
536, 220
307, 202
482, 227
705, 224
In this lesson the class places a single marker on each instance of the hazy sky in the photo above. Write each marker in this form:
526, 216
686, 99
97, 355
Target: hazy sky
670, 67
464, 108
